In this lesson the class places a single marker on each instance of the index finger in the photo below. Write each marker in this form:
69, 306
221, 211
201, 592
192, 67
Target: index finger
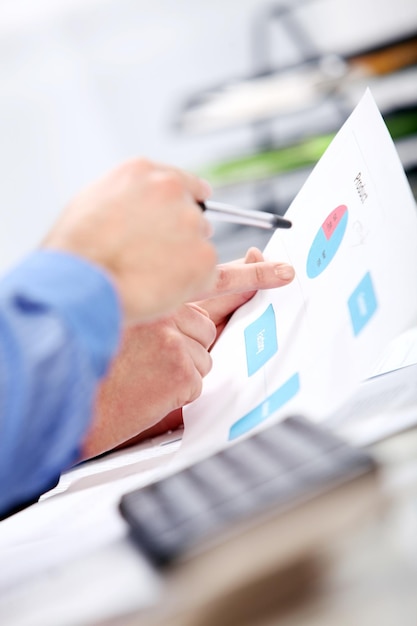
242, 278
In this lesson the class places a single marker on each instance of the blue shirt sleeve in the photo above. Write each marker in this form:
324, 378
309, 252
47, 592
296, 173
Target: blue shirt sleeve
60, 323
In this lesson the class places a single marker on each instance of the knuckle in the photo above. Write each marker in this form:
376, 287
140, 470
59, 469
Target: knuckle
211, 334
259, 273
189, 385
143, 164
209, 364
195, 390
174, 346
170, 184
139, 166
223, 279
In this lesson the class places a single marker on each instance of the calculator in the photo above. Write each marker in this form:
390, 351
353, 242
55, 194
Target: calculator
249, 484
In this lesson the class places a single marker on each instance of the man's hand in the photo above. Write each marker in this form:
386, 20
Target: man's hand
160, 367
161, 364
142, 225
238, 281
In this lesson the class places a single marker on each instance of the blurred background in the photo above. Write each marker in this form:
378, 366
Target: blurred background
246, 92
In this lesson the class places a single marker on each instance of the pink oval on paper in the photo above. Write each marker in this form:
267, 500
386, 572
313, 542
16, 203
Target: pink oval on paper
332, 220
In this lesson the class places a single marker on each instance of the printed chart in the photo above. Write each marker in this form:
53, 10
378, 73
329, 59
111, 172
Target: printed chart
305, 347
327, 241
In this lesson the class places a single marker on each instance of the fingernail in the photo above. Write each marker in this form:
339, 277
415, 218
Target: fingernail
284, 271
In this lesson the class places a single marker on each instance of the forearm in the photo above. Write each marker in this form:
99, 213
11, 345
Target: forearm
59, 329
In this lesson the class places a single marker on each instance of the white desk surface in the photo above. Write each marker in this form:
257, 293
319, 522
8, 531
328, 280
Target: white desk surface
96, 577
67, 559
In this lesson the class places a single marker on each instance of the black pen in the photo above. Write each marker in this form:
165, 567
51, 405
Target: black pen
236, 215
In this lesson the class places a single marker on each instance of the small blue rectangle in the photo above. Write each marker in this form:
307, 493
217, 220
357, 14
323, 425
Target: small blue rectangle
264, 410
362, 304
261, 340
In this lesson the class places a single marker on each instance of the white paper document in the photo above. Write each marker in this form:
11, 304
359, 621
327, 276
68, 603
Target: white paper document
305, 348
382, 406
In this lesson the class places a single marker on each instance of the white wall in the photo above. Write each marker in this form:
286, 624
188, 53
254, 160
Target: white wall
85, 84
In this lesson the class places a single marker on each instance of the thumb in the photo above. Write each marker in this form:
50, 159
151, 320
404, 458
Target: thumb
253, 255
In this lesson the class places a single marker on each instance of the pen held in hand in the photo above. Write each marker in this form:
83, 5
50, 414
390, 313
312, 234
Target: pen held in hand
236, 215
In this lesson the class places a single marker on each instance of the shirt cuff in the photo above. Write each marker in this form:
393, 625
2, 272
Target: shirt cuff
80, 292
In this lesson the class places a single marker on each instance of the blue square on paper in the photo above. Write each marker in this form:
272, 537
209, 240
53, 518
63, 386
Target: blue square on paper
362, 304
261, 340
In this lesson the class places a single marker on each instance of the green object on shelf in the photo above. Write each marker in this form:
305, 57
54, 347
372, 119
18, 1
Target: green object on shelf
306, 153
402, 124
269, 163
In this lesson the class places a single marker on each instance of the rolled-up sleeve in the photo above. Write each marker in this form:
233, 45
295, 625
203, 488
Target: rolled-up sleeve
60, 324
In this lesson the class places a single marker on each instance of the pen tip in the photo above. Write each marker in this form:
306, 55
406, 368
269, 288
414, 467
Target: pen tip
281, 222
